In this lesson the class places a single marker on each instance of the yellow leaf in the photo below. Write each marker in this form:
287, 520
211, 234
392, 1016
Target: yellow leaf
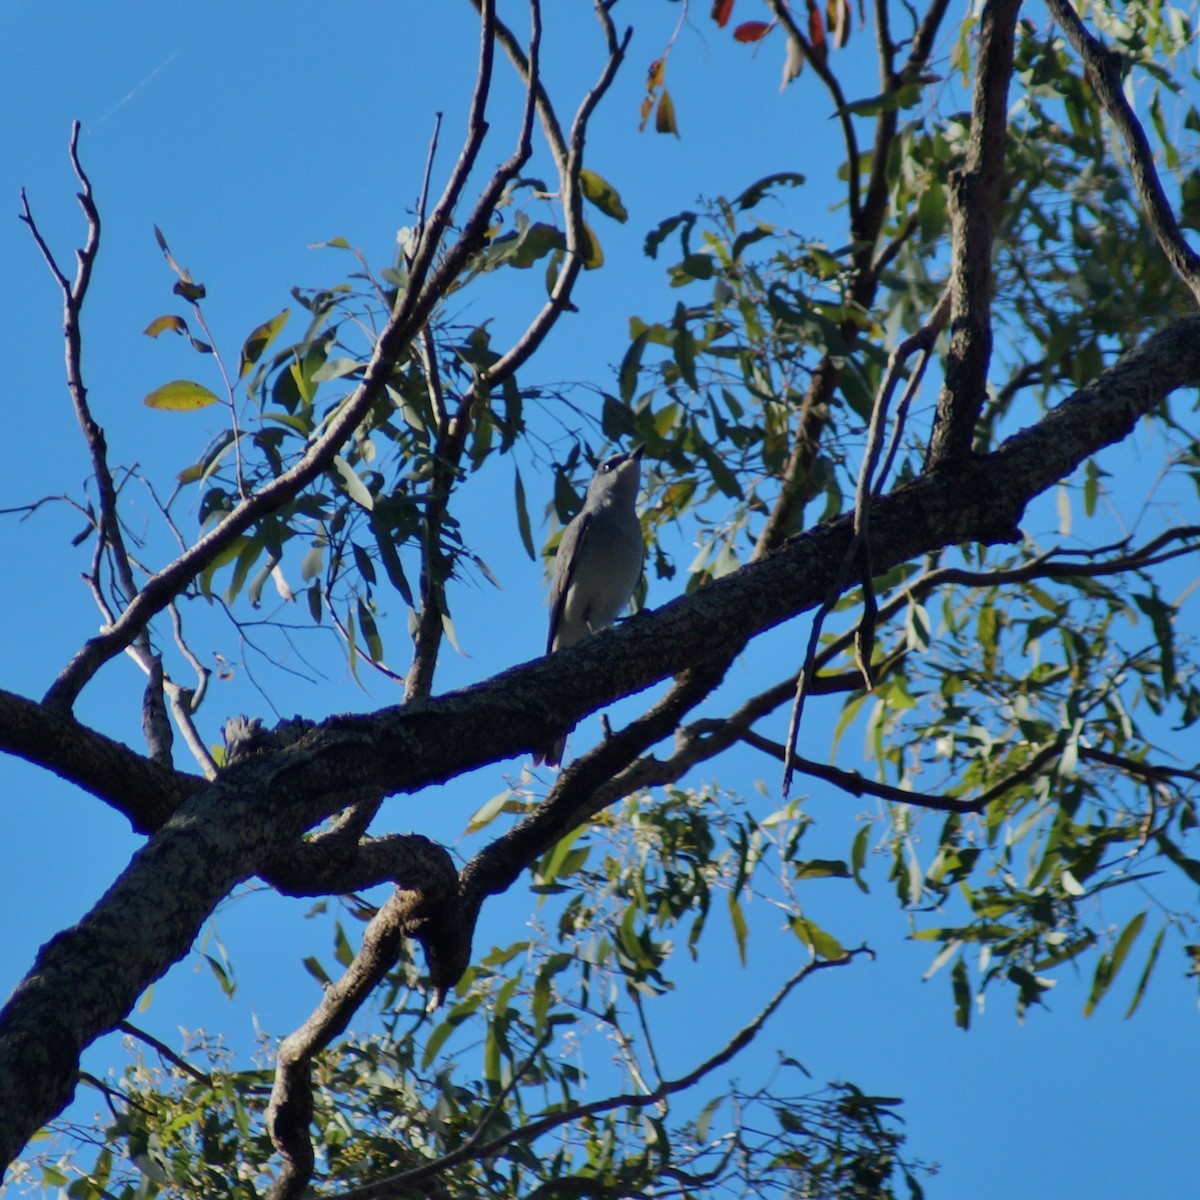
181, 395
593, 256
162, 324
603, 195
259, 339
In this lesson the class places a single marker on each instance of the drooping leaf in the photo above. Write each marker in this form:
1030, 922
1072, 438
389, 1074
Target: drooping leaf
838, 20
352, 482
593, 256
740, 928
370, 631
793, 62
816, 32
664, 116
523, 524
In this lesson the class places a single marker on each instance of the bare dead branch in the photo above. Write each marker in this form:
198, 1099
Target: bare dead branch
110, 536
569, 157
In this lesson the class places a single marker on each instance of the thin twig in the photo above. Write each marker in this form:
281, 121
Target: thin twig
163, 1049
859, 785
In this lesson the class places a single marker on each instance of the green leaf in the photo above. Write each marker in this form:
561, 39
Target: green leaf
457, 1015
222, 974
342, 950
554, 863
704, 1120
523, 523
260, 338
592, 254
1161, 617
1144, 979
181, 395
756, 192
961, 986
822, 868
740, 928
858, 857
370, 631
821, 943
603, 195
391, 560
505, 802
1110, 964
350, 480
631, 365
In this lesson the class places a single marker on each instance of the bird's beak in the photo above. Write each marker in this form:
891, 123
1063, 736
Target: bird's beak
637, 454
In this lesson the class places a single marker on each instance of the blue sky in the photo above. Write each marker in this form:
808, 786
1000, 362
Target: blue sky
248, 133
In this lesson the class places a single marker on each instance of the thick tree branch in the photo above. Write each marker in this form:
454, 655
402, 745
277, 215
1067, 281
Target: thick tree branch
86, 979
144, 792
974, 201
290, 1108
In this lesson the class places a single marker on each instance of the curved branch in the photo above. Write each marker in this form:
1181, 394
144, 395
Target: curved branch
290, 1108
1105, 73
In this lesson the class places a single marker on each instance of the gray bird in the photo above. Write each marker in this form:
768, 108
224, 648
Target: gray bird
598, 564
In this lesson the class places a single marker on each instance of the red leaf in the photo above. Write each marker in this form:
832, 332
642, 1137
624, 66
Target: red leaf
751, 31
720, 12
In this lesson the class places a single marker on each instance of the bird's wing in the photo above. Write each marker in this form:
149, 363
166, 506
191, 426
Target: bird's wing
569, 550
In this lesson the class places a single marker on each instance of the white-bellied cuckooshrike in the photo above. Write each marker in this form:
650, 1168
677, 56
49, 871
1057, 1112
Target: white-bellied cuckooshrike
598, 564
